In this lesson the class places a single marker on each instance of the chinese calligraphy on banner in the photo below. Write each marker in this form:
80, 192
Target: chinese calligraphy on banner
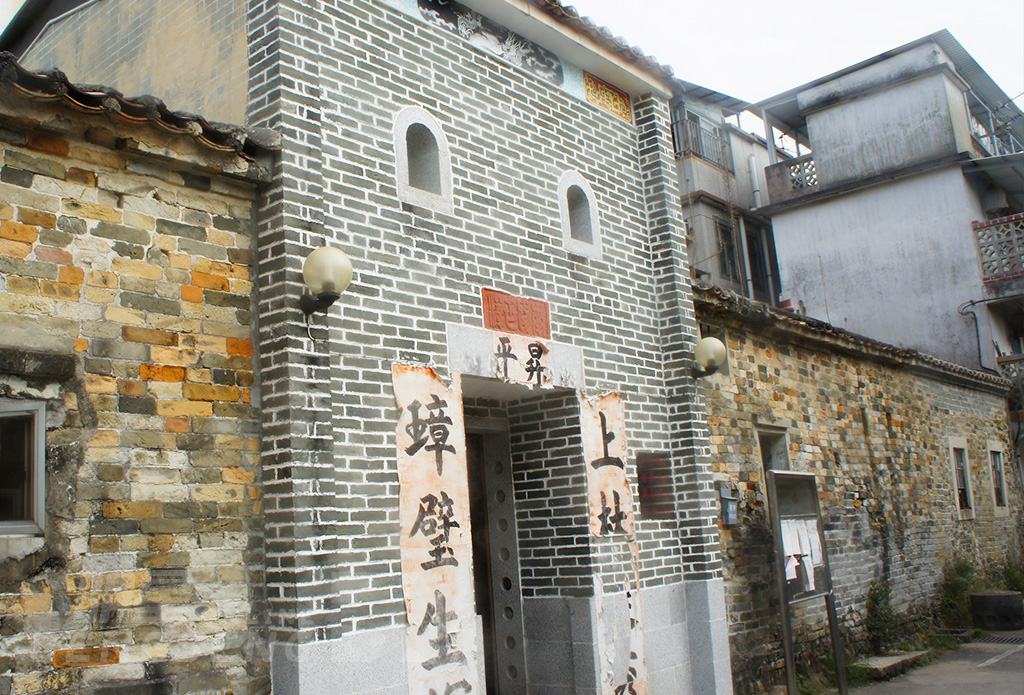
610, 511
436, 550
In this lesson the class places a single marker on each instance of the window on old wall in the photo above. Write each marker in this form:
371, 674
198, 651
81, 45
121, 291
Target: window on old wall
581, 221
995, 460
22, 467
727, 264
961, 477
422, 160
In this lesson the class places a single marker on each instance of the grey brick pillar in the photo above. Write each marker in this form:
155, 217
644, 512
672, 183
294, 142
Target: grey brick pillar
696, 503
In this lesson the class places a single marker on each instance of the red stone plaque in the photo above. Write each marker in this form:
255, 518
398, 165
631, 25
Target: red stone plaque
507, 313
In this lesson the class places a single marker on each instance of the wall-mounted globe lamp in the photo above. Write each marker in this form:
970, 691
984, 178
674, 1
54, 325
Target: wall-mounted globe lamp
327, 271
710, 355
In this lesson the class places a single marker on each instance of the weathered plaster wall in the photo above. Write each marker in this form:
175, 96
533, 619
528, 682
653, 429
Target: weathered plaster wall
126, 305
876, 434
915, 235
191, 53
890, 129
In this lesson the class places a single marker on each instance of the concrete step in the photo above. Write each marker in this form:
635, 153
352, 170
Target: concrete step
884, 667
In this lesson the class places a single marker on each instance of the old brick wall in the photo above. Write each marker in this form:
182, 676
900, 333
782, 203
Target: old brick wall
126, 306
875, 430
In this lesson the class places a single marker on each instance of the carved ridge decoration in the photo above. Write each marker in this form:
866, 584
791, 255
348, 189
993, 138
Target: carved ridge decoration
493, 38
607, 97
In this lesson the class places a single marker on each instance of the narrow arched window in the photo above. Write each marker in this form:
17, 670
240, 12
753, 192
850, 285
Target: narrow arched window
581, 226
579, 215
422, 160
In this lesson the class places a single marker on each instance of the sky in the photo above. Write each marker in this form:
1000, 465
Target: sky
753, 50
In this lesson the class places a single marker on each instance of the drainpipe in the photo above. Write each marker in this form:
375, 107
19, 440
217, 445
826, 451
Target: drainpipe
968, 308
754, 185
746, 258
773, 292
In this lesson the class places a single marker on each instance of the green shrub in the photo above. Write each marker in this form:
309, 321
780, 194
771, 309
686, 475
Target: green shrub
881, 622
958, 581
1013, 577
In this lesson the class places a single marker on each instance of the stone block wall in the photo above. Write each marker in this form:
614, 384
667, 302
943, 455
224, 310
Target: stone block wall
126, 307
873, 424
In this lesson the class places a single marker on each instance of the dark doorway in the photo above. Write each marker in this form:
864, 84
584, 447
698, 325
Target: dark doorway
499, 599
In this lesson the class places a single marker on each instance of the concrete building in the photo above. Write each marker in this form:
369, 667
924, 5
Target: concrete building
450, 456
901, 224
721, 182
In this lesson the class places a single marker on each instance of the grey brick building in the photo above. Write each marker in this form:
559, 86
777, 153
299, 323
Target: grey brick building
501, 174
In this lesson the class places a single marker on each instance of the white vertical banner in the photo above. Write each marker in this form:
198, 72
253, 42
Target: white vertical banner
610, 512
436, 549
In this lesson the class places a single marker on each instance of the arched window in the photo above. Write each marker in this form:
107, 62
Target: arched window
581, 226
422, 160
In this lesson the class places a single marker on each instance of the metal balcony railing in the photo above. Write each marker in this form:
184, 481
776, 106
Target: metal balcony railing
695, 138
1000, 247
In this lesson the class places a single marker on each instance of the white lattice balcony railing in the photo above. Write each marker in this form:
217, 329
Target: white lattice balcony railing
1000, 247
792, 178
1012, 366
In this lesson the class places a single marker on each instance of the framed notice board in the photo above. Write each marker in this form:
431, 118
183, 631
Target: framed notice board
801, 560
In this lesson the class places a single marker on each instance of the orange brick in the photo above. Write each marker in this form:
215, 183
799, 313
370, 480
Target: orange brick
135, 389
246, 397
205, 392
210, 282
76, 175
160, 372
51, 254
14, 249
132, 510
102, 278
81, 344
90, 656
104, 544
161, 542
16, 231
178, 425
237, 346
58, 290
95, 383
136, 334
184, 408
37, 218
172, 355
20, 285
191, 294
44, 142
237, 475
69, 274
92, 211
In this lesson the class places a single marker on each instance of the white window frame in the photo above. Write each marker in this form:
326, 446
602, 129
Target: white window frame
35, 525
997, 448
593, 248
961, 443
407, 193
